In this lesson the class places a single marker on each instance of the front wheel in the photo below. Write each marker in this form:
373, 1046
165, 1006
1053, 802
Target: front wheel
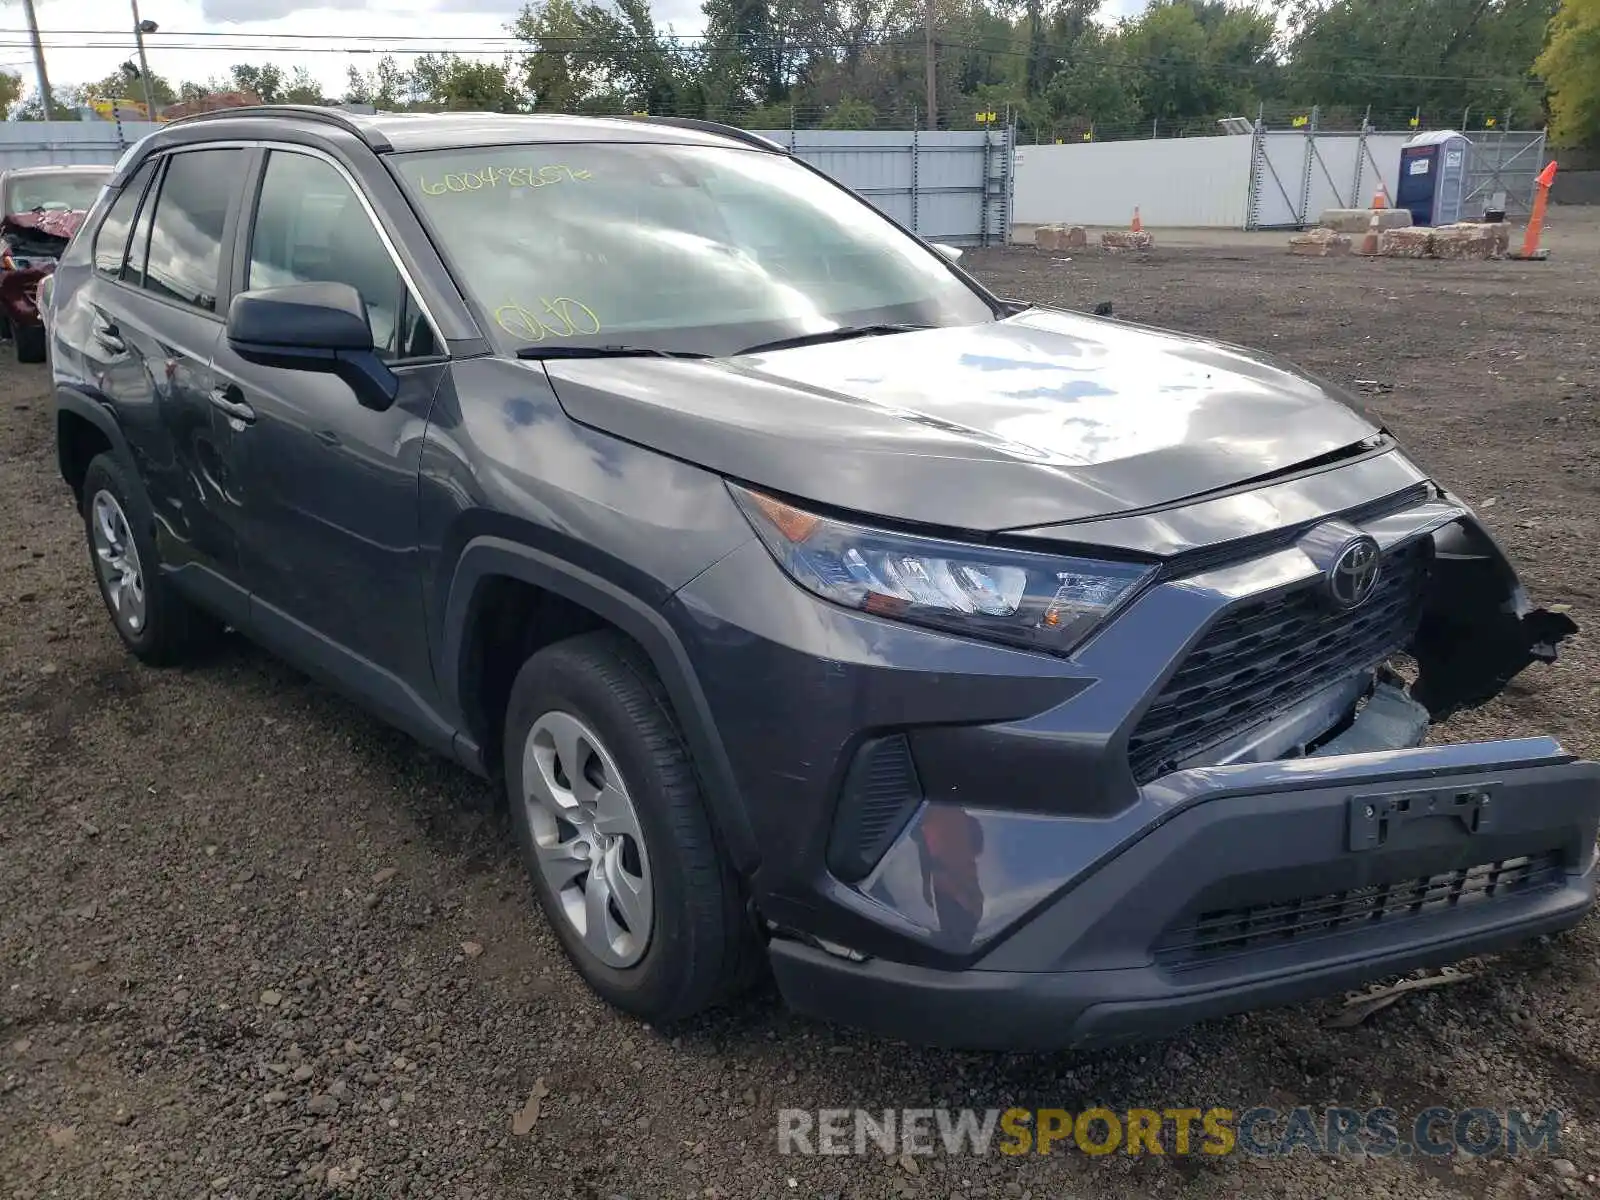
614, 833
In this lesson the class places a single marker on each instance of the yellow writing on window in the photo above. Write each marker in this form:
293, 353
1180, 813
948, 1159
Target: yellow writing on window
560, 317
511, 177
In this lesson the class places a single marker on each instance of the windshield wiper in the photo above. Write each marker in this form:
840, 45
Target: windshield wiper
544, 352
831, 335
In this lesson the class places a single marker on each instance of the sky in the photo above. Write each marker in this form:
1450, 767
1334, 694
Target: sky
201, 39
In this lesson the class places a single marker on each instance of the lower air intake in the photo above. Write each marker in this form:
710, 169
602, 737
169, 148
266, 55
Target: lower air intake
880, 793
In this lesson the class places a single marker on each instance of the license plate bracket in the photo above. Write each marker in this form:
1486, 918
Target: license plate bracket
1373, 818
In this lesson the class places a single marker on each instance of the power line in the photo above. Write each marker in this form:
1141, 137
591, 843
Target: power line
591, 47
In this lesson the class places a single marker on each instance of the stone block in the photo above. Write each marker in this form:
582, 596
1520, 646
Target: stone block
1356, 220
1126, 239
1413, 242
1472, 239
1047, 238
1076, 238
1319, 243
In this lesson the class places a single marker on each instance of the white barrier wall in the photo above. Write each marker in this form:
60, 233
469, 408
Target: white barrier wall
1175, 182
40, 143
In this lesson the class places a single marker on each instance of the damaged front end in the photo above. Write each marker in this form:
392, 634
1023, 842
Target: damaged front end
30, 246
1464, 629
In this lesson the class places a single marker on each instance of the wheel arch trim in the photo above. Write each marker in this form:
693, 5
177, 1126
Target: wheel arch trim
71, 400
486, 557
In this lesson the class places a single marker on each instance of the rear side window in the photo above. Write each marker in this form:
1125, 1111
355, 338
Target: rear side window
112, 239
185, 254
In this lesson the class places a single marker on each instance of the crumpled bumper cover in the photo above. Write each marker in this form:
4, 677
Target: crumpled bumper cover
1260, 885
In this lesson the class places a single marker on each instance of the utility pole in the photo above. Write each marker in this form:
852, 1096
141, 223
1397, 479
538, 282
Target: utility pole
932, 68
38, 60
144, 65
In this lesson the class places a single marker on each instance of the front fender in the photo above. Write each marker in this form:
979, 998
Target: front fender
486, 557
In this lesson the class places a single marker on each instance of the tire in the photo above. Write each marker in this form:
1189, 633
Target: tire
598, 692
30, 343
152, 617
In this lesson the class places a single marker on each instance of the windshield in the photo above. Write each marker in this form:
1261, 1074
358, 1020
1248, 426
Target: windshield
684, 248
54, 191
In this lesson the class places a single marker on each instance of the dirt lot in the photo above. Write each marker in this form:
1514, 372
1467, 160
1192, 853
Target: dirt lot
233, 908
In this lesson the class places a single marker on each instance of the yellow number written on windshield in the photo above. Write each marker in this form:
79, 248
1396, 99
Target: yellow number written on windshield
560, 317
511, 177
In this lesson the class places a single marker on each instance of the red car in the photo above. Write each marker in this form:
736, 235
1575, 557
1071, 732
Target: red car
40, 209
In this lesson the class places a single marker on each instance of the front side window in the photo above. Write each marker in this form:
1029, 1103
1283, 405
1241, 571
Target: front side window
310, 227
112, 239
702, 249
185, 254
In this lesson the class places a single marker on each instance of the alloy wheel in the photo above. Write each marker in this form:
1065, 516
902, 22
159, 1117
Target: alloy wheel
587, 840
116, 558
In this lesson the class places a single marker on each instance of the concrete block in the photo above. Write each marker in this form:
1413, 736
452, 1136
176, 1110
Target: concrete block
1472, 239
1411, 242
1356, 220
1319, 243
1126, 239
1075, 238
1047, 238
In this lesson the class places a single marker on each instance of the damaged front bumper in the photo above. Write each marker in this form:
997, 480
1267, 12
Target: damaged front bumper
1316, 846
1259, 884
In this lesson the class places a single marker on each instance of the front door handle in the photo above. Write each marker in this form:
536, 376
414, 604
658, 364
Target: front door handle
231, 401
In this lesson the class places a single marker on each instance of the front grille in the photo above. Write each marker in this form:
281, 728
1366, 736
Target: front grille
1233, 930
1266, 654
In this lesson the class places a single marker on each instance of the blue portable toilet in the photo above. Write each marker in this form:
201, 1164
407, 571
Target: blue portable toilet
1433, 177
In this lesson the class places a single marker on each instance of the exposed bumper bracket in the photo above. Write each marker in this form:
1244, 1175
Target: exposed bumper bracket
1373, 818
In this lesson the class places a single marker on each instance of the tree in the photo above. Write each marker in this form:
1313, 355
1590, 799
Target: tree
384, 87
1441, 56
126, 83
851, 114
454, 82
10, 92
593, 58
1570, 64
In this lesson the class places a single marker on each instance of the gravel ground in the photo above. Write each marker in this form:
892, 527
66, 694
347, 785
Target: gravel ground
252, 943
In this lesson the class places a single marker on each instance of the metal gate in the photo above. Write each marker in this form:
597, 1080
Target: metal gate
1509, 162
1296, 174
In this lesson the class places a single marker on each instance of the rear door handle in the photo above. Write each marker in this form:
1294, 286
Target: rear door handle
109, 336
231, 401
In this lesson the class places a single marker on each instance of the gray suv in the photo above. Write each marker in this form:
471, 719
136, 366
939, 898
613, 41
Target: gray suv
998, 675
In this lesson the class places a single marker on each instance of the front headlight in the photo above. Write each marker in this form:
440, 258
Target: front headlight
1040, 601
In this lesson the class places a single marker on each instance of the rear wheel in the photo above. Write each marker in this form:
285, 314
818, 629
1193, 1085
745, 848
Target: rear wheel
614, 833
153, 619
30, 343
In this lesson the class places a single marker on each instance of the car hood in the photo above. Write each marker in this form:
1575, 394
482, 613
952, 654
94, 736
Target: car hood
55, 224
1040, 418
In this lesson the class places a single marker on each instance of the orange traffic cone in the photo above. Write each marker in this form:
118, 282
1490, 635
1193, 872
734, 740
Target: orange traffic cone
1138, 225
1369, 243
1379, 200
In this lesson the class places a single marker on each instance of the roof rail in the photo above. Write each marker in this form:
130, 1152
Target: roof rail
305, 112
716, 127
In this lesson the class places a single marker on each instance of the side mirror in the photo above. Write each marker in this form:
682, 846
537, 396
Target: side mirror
950, 252
312, 327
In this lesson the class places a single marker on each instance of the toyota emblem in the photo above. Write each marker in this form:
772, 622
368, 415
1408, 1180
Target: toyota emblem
1354, 573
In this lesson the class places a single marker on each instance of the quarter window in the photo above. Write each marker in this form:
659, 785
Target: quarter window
112, 239
311, 227
185, 255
